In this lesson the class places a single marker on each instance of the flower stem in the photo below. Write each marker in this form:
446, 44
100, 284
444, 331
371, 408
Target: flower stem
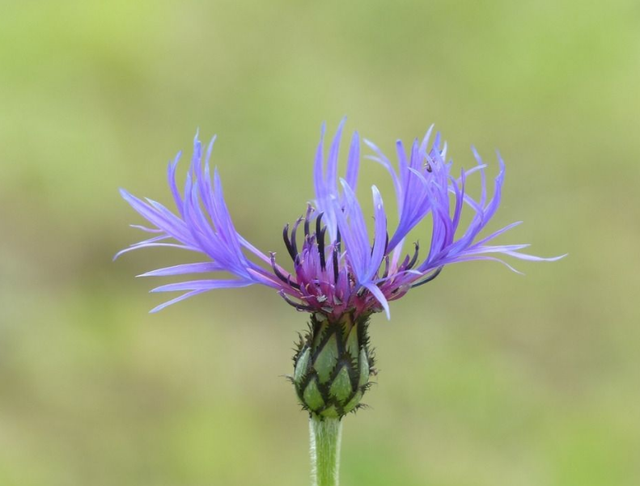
325, 434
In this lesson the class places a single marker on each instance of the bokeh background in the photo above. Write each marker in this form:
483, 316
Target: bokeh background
487, 378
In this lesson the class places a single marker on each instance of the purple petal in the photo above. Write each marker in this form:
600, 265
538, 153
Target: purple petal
476, 258
171, 177
353, 163
331, 180
172, 226
144, 228
380, 236
377, 293
532, 258
176, 300
498, 233
150, 245
184, 269
318, 171
203, 285
354, 233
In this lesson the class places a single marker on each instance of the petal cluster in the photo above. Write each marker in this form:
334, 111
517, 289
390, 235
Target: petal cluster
339, 264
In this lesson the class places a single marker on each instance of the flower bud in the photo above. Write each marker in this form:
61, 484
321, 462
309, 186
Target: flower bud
333, 364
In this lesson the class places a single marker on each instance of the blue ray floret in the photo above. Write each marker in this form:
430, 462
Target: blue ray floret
339, 267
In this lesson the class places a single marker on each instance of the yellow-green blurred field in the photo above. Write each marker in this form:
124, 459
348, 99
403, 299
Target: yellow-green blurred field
487, 378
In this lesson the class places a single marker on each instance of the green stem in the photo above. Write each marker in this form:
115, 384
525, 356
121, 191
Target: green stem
326, 434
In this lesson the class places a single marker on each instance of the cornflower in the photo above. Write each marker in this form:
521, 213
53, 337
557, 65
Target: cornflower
342, 274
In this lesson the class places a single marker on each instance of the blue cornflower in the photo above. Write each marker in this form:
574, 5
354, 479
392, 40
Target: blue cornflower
340, 273
338, 268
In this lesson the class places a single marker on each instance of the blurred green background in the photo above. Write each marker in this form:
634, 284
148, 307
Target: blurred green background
487, 378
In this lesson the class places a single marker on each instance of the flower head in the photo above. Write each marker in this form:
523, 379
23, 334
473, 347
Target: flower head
341, 273
339, 267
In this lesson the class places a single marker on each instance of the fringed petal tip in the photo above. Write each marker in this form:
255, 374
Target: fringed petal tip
174, 163
144, 228
124, 193
175, 301
533, 258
